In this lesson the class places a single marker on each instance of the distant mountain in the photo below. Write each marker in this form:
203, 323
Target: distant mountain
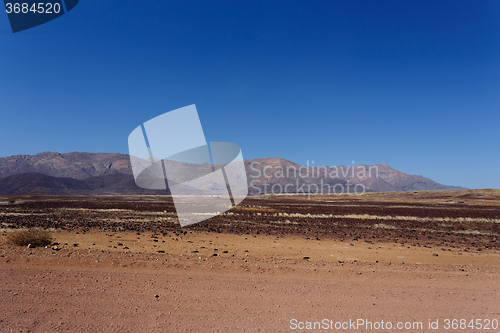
281, 173
37, 183
28, 183
103, 173
72, 165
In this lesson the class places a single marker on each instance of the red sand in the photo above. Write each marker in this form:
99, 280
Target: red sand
81, 290
246, 271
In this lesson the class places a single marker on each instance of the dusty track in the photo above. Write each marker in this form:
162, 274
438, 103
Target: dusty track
246, 271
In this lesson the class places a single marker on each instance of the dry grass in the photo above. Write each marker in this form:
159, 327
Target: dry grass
33, 237
388, 217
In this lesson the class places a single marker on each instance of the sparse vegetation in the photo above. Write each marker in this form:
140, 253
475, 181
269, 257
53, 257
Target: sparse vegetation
33, 237
12, 201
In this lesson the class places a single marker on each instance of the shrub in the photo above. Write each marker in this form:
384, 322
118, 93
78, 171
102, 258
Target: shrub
12, 201
35, 237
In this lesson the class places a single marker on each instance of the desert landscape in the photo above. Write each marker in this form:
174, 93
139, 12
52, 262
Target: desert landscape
121, 263
250, 166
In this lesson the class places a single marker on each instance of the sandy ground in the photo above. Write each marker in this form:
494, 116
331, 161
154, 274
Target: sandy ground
98, 286
415, 261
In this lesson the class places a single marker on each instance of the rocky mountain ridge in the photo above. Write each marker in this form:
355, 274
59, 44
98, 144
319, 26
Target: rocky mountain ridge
107, 173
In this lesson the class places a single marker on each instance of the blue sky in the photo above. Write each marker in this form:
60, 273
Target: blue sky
414, 85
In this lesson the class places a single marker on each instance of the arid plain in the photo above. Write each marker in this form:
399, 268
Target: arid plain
123, 264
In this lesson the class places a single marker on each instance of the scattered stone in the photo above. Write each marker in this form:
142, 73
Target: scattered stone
306, 258
435, 254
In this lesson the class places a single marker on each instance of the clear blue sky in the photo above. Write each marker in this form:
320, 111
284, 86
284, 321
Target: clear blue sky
415, 84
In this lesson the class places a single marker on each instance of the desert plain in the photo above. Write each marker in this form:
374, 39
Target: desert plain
424, 261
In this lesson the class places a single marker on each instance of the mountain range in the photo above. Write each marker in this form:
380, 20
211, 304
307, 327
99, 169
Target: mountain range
111, 173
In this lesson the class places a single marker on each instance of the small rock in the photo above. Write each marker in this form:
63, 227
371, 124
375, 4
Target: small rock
435, 254
306, 258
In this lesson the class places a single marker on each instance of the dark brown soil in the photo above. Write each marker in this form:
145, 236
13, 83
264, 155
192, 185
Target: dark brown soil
415, 219
123, 264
